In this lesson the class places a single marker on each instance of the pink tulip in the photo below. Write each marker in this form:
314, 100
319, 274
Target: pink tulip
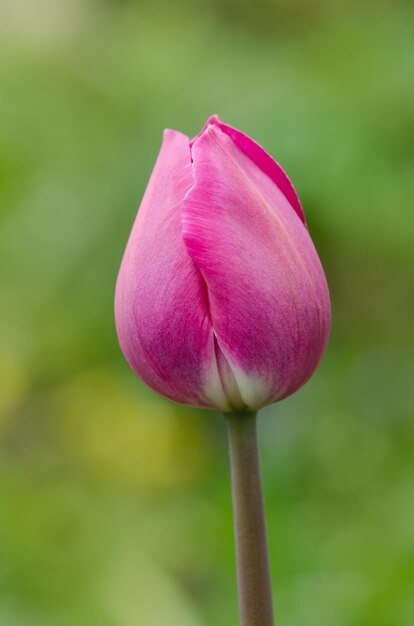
221, 300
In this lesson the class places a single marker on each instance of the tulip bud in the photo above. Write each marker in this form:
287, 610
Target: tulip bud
221, 300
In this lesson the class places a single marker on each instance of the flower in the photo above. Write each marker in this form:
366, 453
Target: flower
221, 300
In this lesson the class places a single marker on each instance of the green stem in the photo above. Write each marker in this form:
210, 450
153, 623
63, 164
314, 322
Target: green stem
253, 572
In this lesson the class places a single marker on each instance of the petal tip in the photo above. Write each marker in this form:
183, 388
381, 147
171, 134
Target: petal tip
214, 119
170, 134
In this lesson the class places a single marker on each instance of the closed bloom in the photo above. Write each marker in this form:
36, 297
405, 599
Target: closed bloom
221, 300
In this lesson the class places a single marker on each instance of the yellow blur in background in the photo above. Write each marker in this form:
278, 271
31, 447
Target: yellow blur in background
115, 504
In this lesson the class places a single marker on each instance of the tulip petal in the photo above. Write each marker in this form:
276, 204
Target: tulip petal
162, 318
267, 292
263, 160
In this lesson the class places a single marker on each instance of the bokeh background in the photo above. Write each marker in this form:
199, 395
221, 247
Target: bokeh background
115, 504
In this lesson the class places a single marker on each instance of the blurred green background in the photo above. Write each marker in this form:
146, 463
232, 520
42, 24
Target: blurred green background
115, 504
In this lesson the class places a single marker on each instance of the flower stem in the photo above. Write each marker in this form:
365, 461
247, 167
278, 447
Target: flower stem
253, 572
